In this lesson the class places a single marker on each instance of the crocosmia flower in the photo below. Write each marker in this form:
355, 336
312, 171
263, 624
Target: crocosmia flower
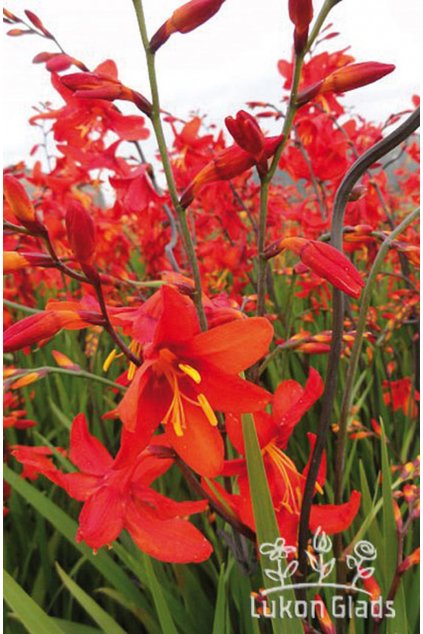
187, 375
117, 495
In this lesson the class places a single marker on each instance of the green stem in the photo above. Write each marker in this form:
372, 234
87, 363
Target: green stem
265, 184
161, 142
81, 374
24, 309
356, 171
356, 350
323, 14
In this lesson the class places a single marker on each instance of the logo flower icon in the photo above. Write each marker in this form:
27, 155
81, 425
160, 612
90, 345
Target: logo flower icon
278, 550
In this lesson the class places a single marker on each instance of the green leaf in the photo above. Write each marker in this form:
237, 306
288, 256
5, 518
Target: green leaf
29, 613
220, 625
71, 627
92, 608
162, 608
399, 622
67, 527
264, 515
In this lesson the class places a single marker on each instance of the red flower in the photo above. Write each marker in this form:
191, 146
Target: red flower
400, 395
324, 260
119, 496
286, 483
187, 374
185, 19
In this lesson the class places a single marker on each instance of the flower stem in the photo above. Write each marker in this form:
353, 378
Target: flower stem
355, 353
352, 176
81, 374
265, 184
161, 142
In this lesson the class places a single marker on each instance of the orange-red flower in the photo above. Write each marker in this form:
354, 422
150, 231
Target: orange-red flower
324, 260
185, 19
120, 497
346, 78
290, 402
187, 375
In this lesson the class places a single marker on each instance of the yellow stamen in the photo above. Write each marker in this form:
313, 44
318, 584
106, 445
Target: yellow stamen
109, 360
175, 413
207, 409
191, 372
292, 498
131, 371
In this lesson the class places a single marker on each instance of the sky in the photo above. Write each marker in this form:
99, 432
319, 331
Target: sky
213, 70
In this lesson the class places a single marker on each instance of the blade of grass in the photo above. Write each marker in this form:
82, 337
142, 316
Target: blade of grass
31, 615
67, 527
162, 609
92, 608
264, 515
220, 625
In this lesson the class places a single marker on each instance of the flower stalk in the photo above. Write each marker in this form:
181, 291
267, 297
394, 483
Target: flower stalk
161, 142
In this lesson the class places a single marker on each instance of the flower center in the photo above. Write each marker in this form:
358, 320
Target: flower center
176, 374
292, 495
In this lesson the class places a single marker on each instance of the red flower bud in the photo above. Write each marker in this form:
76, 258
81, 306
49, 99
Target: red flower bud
36, 328
228, 163
324, 260
14, 261
185, 19
20, 204
346, 78
301, 14
411, 560
98, 86
246, 132
80, 228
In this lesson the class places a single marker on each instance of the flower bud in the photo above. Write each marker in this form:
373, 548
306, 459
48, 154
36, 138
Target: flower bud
80, 228
14, 261
324, 260
411, 560
98, 86
185, 19
246, 132
227, 164
36, 328
301, 14
346, 78
20, 204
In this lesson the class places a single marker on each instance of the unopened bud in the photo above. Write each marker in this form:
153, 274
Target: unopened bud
80, 228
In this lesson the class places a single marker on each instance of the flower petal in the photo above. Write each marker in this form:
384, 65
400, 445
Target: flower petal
335, 518
178, 321
101, 519
173, 540
201, 445
229, 393
233, 346
86, 451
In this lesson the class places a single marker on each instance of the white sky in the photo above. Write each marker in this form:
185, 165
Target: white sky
216, 69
